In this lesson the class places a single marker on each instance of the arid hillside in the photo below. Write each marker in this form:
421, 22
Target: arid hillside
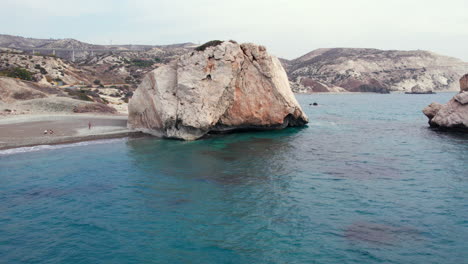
26, 97
372, 70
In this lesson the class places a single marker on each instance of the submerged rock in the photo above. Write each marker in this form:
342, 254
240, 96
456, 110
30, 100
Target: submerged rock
454, 114
223, 87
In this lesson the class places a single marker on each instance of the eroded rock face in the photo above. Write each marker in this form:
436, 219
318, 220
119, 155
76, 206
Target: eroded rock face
431, 110
222, 88
464, 83
453, 115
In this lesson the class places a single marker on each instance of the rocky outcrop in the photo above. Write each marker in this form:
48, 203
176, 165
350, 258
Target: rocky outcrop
225, 87
464, 83
417, 89
453, 115
373, 70
431, 110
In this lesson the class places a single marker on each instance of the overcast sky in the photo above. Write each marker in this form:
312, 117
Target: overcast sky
289, 28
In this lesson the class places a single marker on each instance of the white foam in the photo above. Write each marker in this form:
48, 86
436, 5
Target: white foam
53, 147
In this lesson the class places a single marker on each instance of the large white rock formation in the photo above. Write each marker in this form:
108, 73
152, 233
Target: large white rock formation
222, 86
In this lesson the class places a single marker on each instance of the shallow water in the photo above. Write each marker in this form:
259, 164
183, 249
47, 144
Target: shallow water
366, 182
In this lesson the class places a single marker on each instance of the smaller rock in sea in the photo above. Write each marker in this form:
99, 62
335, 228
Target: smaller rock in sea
454, 114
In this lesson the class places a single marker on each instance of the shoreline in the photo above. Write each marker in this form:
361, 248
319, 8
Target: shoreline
72, 140
391, 92
28, 130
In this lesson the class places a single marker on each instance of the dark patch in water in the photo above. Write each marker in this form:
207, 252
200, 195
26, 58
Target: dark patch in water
380, 233
230, 178
45, 193
179, 201
252, 141
220, 155
214, 162
365, 171
228, 158
58, 192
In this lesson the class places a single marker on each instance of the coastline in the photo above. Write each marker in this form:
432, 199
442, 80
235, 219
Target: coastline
28, 130
391, 92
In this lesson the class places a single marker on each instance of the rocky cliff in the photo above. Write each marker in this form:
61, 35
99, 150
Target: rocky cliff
454, 114
219, 87
372, 70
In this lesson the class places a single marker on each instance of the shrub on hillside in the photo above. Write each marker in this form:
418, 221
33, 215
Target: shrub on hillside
20, 73
27, 95
94, 108
212, 43
79, 94
40, 68
142, 63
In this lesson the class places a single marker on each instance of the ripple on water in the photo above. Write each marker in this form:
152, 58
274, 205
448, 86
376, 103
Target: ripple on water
287, 196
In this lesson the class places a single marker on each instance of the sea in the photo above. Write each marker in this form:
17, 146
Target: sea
367, 181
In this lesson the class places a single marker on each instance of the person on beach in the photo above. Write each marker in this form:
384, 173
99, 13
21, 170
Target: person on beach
51, 132
89, 125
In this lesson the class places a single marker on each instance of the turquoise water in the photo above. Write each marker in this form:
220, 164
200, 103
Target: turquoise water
366, 182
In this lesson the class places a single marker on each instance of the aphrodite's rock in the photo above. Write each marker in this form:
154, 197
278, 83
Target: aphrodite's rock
453, 115
464, 83
219, 87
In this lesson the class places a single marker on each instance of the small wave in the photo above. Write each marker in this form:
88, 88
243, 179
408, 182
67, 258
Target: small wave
60, 146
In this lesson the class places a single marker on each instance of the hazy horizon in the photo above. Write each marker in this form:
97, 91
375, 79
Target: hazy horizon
289, 29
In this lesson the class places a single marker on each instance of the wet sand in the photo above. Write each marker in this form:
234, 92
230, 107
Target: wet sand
28, 130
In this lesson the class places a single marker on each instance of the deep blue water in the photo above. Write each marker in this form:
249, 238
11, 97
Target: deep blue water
366, 182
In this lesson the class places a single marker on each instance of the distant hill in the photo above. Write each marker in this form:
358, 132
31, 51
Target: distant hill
70, 44
83, 51
373, 70
16, 42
